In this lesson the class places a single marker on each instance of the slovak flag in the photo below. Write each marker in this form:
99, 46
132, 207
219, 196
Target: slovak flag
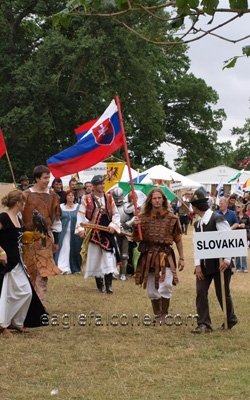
102, 138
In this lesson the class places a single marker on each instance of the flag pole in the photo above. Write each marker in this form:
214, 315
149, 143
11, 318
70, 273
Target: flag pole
117, 100
11, 170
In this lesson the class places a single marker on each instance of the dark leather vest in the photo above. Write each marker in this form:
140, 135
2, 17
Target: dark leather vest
209, 266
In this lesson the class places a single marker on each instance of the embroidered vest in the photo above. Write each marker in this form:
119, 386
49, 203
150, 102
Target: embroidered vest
90, 207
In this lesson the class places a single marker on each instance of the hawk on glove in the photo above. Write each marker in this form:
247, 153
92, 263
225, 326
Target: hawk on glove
40, 224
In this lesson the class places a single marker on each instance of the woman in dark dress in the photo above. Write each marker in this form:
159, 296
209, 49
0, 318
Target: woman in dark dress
19, 305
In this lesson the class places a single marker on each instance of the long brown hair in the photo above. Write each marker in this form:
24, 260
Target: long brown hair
147, 207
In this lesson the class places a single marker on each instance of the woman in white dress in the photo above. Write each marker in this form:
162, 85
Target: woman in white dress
68, 257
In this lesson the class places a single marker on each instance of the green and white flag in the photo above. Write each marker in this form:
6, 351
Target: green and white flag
237, 176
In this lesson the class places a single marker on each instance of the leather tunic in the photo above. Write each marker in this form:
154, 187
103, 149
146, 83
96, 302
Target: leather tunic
159, 231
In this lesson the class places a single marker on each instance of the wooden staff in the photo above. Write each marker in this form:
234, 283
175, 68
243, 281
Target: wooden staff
223, 294
178, 198
102, 228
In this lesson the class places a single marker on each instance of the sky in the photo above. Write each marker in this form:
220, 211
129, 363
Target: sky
207, 57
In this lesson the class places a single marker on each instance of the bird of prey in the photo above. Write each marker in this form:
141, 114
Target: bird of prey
40, 224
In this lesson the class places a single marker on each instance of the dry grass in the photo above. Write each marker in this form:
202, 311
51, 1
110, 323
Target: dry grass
129, 362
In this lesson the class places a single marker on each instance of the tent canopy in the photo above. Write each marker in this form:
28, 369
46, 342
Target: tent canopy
161, 173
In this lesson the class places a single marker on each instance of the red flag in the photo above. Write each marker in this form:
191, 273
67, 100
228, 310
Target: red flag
2, 144
245, 163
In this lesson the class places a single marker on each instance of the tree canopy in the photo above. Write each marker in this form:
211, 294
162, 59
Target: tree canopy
183, 16
53, 79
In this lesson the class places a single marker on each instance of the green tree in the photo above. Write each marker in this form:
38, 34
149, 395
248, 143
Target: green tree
55, 79
241, 152
184, 17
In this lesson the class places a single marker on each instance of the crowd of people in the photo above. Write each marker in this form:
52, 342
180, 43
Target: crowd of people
48, 231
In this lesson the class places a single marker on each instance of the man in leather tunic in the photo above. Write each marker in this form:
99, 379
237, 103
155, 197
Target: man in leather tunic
156, 268
38, 258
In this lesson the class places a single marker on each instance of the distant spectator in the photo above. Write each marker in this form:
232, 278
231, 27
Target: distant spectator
72, 183
210, 201
231, 202
244, 223
88, 187
248, 209
184, 209
228, 214
80, 192
57, 186
24, 183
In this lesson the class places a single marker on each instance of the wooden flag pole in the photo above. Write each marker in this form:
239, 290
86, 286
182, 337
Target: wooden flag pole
224, 304
11, 170
117, 100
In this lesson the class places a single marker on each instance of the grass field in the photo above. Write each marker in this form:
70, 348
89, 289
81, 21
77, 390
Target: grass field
124, 361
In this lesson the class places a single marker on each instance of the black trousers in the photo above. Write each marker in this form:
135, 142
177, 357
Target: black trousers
202, 287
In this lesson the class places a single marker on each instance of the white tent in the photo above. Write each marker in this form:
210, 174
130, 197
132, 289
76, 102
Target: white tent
159, 172
211, 177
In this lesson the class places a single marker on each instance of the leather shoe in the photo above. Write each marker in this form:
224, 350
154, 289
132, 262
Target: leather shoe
230, 326
202, 329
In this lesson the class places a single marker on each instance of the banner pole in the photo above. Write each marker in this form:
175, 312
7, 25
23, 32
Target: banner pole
224, 303
11, 170
117, 100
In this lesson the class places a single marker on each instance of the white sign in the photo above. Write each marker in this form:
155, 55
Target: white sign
220, 244
97, 169
176, 186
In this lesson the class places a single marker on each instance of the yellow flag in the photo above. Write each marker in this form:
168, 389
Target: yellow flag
114, 174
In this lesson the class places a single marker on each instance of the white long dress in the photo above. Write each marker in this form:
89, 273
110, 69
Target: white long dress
15, 298
16, 293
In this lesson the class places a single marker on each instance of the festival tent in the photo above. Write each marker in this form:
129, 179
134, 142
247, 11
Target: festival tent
166, 175
211, 177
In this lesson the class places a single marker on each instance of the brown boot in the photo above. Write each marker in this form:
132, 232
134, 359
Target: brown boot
165, 306
156, 305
